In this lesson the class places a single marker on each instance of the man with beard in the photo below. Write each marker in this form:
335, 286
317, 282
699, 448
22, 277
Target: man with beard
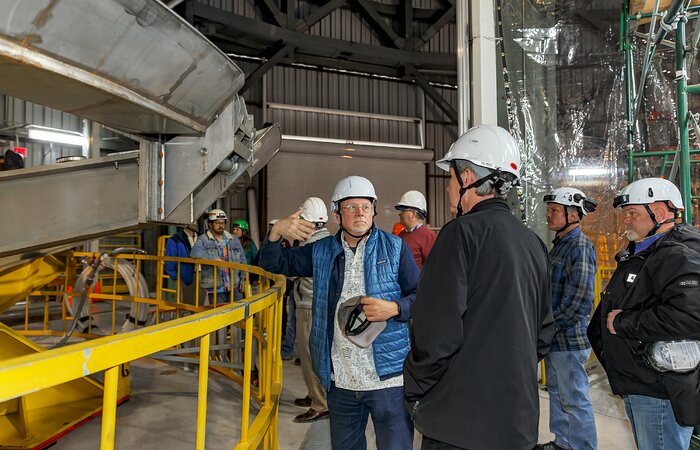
359, 261
653, 302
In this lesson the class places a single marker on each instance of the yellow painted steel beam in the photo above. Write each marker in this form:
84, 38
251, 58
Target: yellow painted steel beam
18, 282
39, 417
18, 376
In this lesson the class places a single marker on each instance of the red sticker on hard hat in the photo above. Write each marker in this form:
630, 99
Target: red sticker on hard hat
513, 166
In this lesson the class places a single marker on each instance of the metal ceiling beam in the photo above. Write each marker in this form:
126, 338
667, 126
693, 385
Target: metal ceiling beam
407, 19
266, 66
443, 20
270, 9
289, 10
448, 76
236, 25
419, 14
340, 64
307, 22
378, 23
430, 91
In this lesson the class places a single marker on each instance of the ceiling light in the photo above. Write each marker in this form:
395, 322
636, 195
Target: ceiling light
55, 135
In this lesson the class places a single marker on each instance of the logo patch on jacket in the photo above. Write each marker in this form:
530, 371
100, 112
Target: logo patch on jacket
688, 283
631, 277
381, 261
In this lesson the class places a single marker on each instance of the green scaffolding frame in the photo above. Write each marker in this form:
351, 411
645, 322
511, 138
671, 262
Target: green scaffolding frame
674, 18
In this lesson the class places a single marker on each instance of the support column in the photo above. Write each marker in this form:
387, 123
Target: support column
463, 86
484, 74
682, 100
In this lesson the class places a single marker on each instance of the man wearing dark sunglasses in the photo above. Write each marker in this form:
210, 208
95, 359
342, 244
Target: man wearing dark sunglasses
360, 260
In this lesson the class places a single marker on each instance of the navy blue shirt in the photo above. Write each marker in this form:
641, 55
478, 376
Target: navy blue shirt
298, 262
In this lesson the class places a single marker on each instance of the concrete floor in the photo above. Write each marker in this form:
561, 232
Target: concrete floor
162, 409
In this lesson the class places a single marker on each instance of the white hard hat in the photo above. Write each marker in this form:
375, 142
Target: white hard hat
352, 187
414, 200
216, 214
314, 210
488, 146
649, 190
569, 196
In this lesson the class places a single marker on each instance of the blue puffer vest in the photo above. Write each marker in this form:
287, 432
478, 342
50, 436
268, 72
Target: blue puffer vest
381, 267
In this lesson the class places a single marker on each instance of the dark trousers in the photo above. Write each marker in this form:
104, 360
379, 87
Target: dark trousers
432, 444
349, 411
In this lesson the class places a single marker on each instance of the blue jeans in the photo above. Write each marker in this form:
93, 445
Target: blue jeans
349, 411
654, 425
291, 331
571, 417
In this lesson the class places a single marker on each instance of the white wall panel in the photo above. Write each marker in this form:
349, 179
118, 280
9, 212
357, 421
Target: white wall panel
292, 178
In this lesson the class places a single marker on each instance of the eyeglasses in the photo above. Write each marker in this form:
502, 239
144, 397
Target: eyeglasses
219, 222
352, 209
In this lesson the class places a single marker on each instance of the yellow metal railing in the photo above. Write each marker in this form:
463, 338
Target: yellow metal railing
259, 315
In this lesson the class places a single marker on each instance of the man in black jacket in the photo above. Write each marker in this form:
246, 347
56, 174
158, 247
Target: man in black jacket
653, 296
482, 318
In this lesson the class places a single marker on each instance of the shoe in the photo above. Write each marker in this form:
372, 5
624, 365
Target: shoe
549, 446
310, 416
127, 327
287, 357
303, 402
297, 362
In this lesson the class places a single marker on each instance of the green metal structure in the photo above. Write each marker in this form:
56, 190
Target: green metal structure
673, 20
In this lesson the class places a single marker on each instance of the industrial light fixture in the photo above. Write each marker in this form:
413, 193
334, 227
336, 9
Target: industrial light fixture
55, 135
347, 142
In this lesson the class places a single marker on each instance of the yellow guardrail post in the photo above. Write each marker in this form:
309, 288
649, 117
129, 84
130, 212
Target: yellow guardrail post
109, 408
247, 367
202, 393
278, 363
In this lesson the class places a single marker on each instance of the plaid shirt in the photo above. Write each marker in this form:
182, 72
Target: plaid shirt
572, 266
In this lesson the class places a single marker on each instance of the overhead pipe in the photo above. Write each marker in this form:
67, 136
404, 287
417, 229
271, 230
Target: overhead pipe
351, 150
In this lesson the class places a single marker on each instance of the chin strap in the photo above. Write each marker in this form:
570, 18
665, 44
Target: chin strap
462, 189
495, 177
566, 219
657, 225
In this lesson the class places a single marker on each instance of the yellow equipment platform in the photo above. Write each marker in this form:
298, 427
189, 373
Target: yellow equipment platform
39, 419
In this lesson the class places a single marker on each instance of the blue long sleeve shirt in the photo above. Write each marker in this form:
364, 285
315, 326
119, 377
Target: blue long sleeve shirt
298, 262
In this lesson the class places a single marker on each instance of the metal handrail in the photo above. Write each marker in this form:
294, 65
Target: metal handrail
26, 374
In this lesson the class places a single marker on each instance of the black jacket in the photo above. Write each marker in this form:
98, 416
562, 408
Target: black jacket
482, 319
659, 293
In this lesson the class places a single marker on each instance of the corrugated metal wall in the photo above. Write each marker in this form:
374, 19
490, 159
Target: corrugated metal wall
17, 113
322, 89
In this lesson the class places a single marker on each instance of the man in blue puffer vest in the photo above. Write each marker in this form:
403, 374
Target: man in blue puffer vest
359, 260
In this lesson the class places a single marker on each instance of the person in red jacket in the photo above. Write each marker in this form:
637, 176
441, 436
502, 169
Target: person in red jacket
419, 238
